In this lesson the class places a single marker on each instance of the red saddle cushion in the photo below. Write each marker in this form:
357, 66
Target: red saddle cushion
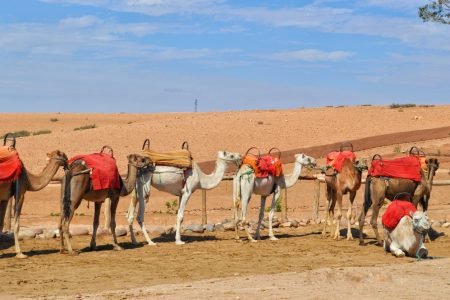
405, 167
336, 159
105, 174
10, 164
395, 212
264, 166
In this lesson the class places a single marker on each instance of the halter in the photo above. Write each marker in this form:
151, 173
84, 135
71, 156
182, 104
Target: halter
423, 233
63, 160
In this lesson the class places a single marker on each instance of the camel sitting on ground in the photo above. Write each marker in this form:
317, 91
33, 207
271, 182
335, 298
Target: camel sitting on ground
178, 182
76, 186
337, 185
245, 183
379, 188
27, 182
408, 236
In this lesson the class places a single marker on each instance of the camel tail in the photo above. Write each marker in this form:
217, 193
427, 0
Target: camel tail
66, 194
367, 195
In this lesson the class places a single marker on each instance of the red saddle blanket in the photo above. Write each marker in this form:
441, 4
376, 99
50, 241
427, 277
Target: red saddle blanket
264, 166
336, 159
10, 165
395, 212
105, 174
405, 167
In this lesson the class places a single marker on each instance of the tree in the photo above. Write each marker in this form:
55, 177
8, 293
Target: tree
436, 11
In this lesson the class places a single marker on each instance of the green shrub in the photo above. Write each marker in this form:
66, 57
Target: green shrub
172, 207
43, 131
85, 127
21, 133
407, 105
54, 120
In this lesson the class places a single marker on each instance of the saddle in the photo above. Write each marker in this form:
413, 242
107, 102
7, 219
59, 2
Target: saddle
335, 159
104, 173
180, 158
408, 167
10, 163
263, 166
395, 212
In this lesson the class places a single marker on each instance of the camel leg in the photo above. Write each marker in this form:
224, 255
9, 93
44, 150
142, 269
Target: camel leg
98, 206
180, 216
107, 213
276, 196
260, 217
395, 250
114, 203
337, 231
349, 216
8, 213
245, 201
19, 253
3, 206
236, 219
374, 220
329, 192
130, 217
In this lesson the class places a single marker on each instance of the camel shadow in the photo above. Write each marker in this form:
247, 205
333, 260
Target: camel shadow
355, 233
170, 238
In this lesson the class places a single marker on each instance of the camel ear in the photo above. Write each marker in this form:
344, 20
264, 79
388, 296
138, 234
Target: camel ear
411, 213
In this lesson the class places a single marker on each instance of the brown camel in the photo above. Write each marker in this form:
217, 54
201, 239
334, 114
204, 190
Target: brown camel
28, 182
76, 186
379, 188
337, 185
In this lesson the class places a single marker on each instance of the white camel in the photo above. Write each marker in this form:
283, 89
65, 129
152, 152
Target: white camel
245, 184
408, 236
178, 182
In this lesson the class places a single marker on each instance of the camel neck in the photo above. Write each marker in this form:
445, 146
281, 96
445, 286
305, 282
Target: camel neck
212, 180
37, 182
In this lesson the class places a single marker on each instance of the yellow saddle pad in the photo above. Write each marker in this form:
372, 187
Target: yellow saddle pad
179, 158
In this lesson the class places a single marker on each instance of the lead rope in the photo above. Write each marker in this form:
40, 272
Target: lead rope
16, 206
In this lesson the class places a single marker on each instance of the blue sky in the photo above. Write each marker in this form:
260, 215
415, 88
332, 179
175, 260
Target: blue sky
160, 55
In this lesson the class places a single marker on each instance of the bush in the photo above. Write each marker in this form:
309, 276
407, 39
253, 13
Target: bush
21, 133
407, 105
277, 206
43, 131
54, 120
85, 127
172, 207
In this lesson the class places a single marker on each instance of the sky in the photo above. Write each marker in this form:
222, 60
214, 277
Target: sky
161, 55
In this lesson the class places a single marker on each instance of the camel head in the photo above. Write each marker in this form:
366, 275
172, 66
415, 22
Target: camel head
139, 161
361, 165
230, 157
420, 221
433, 165
305, 160
58, 156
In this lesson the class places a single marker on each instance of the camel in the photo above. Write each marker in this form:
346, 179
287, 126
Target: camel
76, 186
28, 182
379, 188
408, 236
245, 183
178, 182
337, 185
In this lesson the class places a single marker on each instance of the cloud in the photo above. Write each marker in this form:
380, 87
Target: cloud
310, 55
81, 22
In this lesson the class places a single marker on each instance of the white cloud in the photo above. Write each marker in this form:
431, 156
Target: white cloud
81, 22
310, 55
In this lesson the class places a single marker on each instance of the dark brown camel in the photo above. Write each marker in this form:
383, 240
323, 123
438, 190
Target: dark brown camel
377, 189
337, 185
76, 186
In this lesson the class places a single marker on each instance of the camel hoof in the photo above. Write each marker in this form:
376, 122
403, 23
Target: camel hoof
21, 255
118, 248
252, 241
180, 243
151, 244
73, 253
272, 238
362, 244
350, 238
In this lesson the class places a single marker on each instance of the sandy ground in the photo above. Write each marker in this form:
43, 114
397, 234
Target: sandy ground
214, 263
